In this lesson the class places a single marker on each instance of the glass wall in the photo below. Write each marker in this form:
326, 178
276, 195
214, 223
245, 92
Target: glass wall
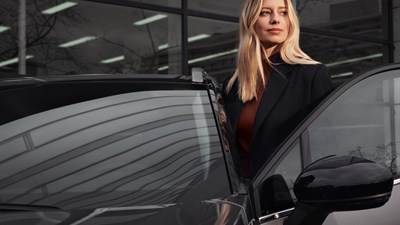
344, 57
169, 3
212, 45
349, 36
83, 37
172, 36
361, 17
223, 7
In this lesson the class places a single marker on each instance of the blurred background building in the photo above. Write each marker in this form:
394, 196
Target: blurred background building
47, 37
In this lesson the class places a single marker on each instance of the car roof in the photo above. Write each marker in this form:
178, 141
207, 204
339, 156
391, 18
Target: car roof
23, 80
23, 96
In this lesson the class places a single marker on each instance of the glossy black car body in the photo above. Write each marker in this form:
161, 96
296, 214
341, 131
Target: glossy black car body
154, 150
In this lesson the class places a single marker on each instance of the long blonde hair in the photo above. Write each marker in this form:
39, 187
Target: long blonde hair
249, 70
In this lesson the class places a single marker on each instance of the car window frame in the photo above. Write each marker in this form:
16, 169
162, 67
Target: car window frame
300, 134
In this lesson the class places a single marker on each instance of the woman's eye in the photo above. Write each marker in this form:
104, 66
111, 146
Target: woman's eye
284, 13
264, 13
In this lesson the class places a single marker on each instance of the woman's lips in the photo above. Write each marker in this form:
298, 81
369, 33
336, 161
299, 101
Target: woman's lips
274, 30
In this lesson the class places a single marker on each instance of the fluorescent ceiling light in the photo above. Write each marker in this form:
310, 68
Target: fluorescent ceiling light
198, 37
150, 19
59, 8
77, 41
213, 56
190, 39
347, 74
13, 61
163, 68
3, 28
163, 46
114, 59
355, 59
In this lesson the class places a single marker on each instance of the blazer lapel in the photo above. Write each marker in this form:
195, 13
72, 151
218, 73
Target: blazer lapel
274, 89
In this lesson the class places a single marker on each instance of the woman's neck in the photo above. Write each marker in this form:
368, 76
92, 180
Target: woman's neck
271, 50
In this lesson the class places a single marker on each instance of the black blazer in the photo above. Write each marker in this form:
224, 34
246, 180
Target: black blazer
291, 93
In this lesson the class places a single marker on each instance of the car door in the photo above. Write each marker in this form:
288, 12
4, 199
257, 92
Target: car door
362, 118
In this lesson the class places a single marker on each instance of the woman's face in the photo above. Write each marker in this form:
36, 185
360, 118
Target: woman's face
272, 26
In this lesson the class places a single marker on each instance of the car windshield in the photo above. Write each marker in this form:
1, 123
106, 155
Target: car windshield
138, 148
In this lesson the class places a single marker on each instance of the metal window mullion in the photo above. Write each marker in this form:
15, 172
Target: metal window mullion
184, 49
388, 6
22, 37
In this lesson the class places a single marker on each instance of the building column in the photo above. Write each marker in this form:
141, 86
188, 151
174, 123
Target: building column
396, 30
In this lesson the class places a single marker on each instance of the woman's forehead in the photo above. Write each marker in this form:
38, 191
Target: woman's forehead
274, 3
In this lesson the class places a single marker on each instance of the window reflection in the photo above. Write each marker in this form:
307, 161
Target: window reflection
290, 166
344, 57
75, 39
277, 189
213, 46
138, 148
170, 3
224, 7
362, 18
363, 122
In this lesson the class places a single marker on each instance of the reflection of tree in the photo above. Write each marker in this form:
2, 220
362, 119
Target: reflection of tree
301, 4
383, 154
38, 28
46, 32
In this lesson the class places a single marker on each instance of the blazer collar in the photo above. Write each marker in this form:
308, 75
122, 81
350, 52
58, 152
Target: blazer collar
276, 84
280, 66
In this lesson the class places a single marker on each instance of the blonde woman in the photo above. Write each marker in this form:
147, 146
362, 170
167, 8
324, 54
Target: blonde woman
275, 83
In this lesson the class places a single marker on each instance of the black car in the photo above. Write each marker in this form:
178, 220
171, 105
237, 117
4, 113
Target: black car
155, 149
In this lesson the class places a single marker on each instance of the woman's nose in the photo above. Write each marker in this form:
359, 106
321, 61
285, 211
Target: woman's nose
274, 18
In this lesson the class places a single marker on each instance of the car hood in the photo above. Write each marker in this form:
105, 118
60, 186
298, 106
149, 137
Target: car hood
211, 212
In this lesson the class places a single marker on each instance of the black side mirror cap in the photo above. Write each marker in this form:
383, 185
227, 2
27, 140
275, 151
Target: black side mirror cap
339, 183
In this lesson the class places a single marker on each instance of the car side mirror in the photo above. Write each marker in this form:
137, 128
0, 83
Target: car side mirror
339, 183
275, 195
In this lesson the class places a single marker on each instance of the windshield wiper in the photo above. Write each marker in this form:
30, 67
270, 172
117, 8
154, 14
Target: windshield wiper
26, 207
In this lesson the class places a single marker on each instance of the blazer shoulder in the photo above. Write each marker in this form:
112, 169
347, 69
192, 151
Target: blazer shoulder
312, 67
312, 71
321, 82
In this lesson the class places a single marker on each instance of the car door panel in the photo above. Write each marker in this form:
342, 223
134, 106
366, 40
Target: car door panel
360, 119
388, 214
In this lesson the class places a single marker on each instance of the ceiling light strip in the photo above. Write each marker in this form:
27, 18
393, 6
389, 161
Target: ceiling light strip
59, 8
212, 56
114, 59
77, 41
163, 68
3, 28
198, 37
150, 19
355, 59
347, 74
13, 61
190, 39
163, 46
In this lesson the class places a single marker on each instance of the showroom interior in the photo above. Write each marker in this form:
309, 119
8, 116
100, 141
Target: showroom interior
42, 37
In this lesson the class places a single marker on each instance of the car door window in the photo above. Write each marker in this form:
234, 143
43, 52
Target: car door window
276, 191
138, 148
364, 121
